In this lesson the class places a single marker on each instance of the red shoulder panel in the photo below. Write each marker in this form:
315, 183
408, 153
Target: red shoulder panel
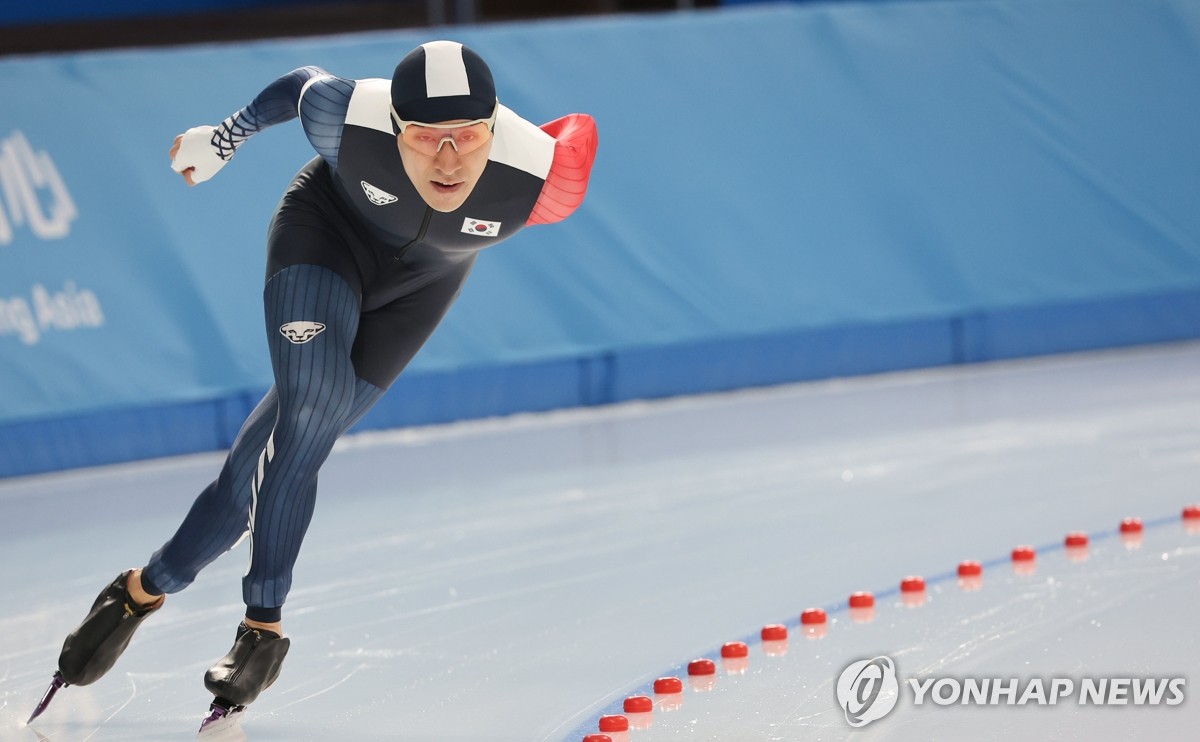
574, 151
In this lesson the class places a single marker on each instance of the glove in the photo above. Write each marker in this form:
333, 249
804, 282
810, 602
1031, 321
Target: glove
196, 153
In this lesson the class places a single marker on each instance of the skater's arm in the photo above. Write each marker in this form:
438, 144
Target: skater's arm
575, 142
323, 106
200, 152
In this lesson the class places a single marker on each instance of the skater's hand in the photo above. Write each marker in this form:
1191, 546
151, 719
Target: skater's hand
187, 174
193, 155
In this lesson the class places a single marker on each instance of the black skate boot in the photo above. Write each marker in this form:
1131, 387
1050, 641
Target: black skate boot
246, 671
94, 646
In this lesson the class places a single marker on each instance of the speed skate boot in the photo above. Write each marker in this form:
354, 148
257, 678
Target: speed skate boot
240, 676
94, 646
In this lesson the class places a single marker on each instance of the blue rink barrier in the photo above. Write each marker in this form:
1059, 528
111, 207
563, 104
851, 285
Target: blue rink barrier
425, 398
74, 11
782, 193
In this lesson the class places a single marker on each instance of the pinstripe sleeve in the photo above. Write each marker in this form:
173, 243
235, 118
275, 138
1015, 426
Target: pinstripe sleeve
323, 106
276, 104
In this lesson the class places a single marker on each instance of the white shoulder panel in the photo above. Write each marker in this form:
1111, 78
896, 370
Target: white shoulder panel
370, 105
521, 144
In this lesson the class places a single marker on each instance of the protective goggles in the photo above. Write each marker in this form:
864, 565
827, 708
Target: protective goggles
465, 137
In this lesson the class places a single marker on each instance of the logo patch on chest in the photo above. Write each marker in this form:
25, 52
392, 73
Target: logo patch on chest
377, 196
301, 332
481, 227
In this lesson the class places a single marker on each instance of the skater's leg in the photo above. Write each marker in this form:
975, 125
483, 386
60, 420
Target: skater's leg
365, 397
312, 315
216, 521
259, 648
219, 516
317, 405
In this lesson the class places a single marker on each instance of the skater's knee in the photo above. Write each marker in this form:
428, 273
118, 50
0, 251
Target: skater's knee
315, 416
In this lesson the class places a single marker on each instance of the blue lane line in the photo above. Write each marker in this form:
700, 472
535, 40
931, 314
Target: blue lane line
647, 689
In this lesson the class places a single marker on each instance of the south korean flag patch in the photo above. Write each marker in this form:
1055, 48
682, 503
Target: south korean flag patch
480, 227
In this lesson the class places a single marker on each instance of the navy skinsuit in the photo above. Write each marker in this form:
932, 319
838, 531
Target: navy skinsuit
360, 271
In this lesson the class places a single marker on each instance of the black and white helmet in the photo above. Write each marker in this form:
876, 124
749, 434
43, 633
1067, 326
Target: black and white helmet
443, 81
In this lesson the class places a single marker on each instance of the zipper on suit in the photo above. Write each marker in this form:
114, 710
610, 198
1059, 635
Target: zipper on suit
420, 234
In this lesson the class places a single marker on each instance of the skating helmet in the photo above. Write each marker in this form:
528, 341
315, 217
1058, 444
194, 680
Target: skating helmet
443, 81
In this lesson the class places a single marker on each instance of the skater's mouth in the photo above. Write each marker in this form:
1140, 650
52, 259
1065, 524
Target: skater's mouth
441, 187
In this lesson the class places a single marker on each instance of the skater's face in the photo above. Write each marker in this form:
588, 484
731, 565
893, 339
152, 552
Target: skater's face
445, 160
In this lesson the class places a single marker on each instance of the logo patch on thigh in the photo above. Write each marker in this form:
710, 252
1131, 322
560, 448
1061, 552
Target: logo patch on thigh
301, 332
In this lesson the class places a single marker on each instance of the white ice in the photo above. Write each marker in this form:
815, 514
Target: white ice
515, 579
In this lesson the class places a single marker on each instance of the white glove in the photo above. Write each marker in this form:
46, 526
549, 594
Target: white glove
196, 153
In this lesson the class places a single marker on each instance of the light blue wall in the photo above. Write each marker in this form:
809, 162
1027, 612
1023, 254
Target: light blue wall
781, 193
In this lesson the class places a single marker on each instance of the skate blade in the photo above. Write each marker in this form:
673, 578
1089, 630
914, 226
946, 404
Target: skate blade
222, 725
55, 683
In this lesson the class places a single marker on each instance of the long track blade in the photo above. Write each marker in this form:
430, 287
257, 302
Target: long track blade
55, 683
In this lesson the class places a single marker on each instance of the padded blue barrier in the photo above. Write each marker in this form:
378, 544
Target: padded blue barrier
783, 192
69, 11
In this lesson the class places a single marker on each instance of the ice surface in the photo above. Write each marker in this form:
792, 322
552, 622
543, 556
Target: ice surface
515, 579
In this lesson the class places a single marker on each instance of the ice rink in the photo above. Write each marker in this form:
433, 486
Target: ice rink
517, 579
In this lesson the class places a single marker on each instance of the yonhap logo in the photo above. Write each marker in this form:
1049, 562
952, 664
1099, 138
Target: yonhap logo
867, 690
